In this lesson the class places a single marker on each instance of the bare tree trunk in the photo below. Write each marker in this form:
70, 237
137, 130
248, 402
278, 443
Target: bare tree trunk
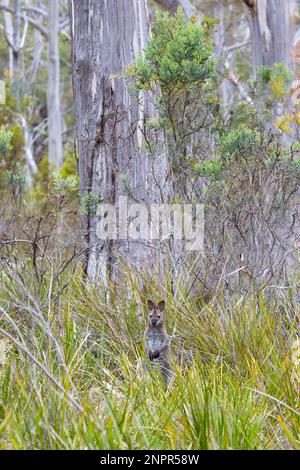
111, 124
55, 146
272, 32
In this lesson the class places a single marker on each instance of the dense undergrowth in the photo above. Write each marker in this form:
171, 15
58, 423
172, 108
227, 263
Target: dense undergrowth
71, 372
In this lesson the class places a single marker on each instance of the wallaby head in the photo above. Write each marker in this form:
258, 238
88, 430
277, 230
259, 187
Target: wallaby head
156, 312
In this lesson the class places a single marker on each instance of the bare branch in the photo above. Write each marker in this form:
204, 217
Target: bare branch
236, 46
30, 20
22, 42
37, 26
39, 11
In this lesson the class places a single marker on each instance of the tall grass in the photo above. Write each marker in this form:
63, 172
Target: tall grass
72, 376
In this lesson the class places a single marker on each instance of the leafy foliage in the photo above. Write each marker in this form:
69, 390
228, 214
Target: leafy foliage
16, 180
61, 184
178, 55
177, 70
90, 203
277, 77
5, 141
243, 140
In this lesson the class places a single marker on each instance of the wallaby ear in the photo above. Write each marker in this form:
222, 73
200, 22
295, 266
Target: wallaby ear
161, 305
150, 304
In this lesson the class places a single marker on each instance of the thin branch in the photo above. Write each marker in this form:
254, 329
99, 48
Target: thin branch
25, 30
30, 20
279, 402
64, 24
236, 46
39, 11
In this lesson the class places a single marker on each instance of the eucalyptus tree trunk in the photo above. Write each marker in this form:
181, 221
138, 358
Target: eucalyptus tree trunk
55, 146
272, 32
111, 127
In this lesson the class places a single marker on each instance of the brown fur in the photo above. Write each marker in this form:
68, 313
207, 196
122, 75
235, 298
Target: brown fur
156, 339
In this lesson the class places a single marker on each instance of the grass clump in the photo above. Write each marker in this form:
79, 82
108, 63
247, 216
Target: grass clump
71, 374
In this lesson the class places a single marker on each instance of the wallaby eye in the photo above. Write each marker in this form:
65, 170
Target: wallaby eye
158, 316
151, 316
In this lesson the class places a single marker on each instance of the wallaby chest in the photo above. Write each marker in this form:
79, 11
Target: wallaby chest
155, 339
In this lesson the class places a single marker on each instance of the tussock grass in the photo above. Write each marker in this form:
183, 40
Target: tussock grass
71, 372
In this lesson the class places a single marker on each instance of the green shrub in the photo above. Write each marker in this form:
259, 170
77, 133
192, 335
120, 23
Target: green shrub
90, 202
239, 141
5, 141
178, 55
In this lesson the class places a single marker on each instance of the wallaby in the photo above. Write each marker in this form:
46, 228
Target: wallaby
157, 342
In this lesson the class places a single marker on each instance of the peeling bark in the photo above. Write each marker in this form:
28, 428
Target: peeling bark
111, 124
29, 158
272, 32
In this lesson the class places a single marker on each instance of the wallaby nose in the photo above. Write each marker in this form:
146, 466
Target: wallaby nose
154, 322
